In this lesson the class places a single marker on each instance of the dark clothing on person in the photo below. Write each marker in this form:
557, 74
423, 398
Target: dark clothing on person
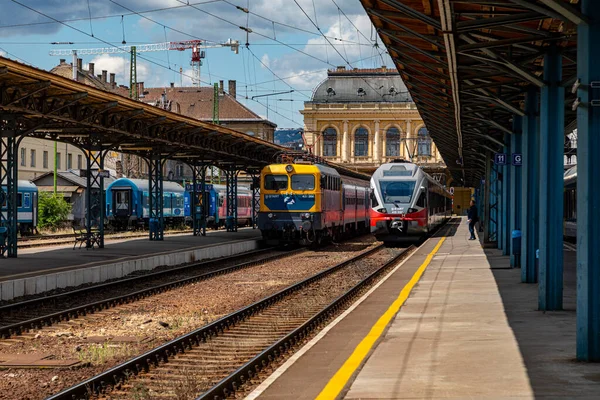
473, 217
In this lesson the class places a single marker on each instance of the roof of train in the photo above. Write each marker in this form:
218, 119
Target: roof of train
143, 184
303, 168
23, 184
396, 170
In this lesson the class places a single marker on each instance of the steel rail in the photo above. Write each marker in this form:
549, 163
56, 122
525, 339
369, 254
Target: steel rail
233, 382
72, 313
114, 377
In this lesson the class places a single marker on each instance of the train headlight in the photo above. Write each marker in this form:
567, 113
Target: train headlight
411, 210
382, 210
289, 169
270, 215
306, 216
306, 225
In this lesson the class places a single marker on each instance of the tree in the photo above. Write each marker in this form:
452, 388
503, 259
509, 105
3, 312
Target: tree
53, 210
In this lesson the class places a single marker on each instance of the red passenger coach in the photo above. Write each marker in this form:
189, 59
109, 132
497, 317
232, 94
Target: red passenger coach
406, 202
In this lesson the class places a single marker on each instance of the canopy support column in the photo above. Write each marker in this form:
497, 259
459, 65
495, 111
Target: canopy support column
255, 200
515, 187
95, 198
9, 145
231, 199
530, 188
199, 202
588, 190
155, 196
506, 196
552, 126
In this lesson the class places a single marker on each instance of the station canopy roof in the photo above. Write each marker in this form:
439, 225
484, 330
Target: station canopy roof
40, 104
468, 64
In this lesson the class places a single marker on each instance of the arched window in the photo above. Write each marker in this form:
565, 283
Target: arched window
424, 142
329, 142
361, 142
392, 142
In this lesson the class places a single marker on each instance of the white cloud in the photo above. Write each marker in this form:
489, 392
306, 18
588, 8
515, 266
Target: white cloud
120, 66
266, 61
2, 54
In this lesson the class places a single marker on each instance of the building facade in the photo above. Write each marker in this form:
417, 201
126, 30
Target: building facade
365, 117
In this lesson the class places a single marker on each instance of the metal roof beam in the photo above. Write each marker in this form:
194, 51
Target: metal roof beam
483, 23
409, 11
504, 64
540, 9
429, 66
432, 56
504, 42
489, 96
430, 40
566, 10
492, 123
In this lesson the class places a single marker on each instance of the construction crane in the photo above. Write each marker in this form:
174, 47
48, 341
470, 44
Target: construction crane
196, 46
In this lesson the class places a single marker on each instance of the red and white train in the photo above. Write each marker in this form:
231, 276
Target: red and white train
406, 202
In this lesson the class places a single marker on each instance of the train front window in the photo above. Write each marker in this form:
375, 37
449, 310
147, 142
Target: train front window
122, 200
276, 182
303, 182
397, 191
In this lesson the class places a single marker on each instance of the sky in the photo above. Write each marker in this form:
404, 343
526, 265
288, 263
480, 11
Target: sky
289, 47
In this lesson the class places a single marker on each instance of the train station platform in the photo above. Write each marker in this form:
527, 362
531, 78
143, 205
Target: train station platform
39, 270
451, 321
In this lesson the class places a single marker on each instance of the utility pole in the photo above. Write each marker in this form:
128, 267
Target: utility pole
215, 120
133, 87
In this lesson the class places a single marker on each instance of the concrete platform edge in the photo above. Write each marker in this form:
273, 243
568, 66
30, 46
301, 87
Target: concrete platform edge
113, 270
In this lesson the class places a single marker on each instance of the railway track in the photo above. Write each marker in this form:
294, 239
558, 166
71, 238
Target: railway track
18, 318
219, 358
55, 240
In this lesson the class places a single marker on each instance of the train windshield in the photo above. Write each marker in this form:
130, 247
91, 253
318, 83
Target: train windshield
397, 191
303, 182
276, 182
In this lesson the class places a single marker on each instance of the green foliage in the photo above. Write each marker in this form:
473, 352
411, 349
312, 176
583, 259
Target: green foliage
53, 210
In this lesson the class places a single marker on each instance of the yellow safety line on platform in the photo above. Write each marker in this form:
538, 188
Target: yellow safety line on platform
343, 375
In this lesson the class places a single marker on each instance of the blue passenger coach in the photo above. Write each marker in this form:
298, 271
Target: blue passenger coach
27, 206
127, 203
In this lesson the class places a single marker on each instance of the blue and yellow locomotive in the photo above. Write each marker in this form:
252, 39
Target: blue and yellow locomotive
310, 203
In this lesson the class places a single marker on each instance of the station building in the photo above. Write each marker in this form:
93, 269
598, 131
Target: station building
366, 117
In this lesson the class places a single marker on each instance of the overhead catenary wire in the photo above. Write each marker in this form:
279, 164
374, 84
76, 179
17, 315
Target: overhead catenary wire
90, 14
87, 34
347, 62
257, 33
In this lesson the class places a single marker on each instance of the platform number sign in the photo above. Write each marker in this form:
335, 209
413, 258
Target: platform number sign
500, 158
517, 159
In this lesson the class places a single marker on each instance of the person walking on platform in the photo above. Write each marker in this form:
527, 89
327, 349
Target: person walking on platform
472, 218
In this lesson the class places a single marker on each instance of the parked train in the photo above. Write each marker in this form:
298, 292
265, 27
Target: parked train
216, 198
570, 204
310, 203
27, 207
127, 204
406, 202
